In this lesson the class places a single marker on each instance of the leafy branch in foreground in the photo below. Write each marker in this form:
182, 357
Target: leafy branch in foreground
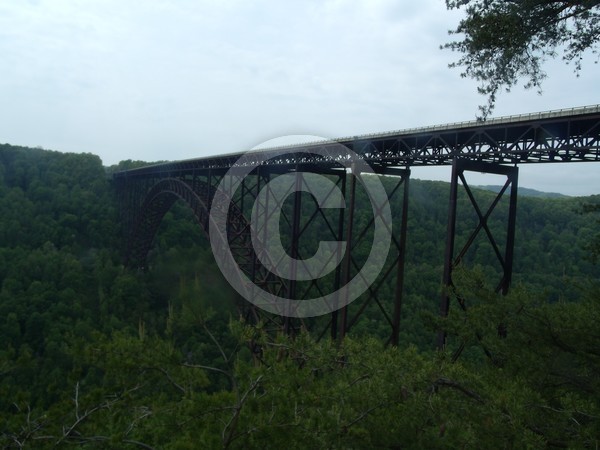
506, 40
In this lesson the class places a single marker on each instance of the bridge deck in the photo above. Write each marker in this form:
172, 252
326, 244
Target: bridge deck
568, 135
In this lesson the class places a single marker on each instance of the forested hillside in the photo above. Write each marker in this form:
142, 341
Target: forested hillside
96, 355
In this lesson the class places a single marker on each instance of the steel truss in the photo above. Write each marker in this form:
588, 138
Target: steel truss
300, 216
551, 137
147, 193
452, 259
390, 311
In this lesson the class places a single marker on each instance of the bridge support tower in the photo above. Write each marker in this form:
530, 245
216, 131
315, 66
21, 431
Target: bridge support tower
452, 258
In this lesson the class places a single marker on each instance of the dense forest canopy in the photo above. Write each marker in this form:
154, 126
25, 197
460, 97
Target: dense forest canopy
97, 355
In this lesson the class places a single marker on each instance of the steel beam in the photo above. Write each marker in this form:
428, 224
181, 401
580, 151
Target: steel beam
556, 136
452, 259
395, 337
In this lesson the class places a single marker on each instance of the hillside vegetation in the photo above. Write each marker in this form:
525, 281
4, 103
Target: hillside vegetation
97, 355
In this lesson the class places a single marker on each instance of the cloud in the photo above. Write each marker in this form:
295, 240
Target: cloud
177, 79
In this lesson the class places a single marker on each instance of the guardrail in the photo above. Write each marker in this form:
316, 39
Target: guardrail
566, 112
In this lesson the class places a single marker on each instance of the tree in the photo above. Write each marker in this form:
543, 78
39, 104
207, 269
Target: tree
594, 244
506, 40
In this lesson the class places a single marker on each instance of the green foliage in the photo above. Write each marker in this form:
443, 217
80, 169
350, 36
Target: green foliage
549, 353
306, 394
594, 243
98, 356
55, 197
504, 41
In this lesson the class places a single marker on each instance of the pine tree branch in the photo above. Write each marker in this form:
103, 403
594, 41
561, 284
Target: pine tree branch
454, 385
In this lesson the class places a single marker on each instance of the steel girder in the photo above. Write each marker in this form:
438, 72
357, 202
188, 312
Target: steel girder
563, 136
452, 258
299, 215
557, 136
389, 309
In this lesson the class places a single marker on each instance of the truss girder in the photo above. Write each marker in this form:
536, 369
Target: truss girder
197, 195
147, 193
504, 258
147, 201
539, 139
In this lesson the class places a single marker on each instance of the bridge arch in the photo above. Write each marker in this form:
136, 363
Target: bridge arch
157, 202
198, 195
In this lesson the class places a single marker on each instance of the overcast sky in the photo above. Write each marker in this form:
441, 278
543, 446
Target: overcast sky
166, 80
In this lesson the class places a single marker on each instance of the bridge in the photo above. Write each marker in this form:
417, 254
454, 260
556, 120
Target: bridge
241, 201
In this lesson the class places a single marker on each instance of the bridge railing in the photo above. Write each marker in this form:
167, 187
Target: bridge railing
565, 112
513, 119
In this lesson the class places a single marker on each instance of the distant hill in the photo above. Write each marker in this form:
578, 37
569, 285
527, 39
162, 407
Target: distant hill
526, 192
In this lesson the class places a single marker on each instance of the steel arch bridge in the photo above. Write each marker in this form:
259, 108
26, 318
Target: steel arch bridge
497, 146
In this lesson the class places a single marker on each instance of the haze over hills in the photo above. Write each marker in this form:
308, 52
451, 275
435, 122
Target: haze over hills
524, 192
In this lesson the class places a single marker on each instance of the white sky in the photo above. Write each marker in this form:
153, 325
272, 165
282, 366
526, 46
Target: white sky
166, 80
